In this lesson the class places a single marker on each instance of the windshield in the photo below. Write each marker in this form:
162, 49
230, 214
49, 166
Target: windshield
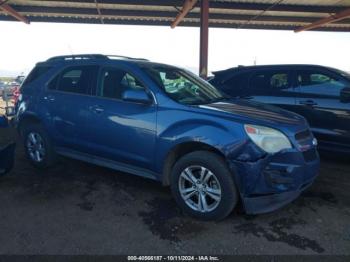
183, 86
344, 74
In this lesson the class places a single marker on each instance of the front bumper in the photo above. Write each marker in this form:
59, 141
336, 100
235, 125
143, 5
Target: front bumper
271, 202
272, 181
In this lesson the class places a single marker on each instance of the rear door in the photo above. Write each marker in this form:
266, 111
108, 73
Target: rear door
67, 97
274, 87
319, 100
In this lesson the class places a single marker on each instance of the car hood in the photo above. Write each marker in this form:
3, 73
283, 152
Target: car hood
255, 111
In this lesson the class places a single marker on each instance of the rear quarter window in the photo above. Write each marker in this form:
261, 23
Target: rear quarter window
236, 85
36, 73
75, 79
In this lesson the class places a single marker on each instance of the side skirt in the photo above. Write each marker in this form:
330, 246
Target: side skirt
107, 163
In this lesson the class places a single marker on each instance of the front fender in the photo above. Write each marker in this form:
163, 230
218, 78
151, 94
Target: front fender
205, 132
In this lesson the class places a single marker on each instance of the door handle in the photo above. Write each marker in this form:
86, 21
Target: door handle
96, 109
308, 102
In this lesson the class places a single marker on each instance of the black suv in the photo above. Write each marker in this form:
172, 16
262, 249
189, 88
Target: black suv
321, 94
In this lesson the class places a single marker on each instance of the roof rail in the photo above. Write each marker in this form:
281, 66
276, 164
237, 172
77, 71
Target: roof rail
89, 56
77, 57
127, 57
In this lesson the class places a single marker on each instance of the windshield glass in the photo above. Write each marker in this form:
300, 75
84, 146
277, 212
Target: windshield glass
343, 73
183, 86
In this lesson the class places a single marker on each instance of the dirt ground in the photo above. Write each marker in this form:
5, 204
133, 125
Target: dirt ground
77, 208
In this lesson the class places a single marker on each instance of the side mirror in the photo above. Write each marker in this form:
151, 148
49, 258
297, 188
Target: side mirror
3, 122
345, 95
138, 96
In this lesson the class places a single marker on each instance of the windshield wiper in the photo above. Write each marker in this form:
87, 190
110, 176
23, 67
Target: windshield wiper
224, 98
219, 99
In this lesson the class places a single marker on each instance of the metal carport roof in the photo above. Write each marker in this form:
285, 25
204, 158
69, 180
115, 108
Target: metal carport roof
297, 15
256, 14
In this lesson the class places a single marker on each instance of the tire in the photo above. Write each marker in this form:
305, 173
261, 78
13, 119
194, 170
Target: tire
47, 154
218, 191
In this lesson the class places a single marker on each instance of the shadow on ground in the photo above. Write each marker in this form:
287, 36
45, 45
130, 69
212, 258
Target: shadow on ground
77, 208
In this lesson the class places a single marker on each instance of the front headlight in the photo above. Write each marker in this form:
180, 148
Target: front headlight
268, 139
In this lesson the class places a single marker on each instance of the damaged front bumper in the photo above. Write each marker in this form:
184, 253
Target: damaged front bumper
267, 182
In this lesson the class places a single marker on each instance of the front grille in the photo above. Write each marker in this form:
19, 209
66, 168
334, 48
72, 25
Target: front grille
310, 155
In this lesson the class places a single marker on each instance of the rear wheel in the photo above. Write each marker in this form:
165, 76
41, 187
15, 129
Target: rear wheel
203, 186
38, 146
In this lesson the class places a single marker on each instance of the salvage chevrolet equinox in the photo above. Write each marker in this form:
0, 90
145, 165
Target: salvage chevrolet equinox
162, 122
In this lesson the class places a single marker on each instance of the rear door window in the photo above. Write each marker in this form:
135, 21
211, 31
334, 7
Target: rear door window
76, 79
271, 81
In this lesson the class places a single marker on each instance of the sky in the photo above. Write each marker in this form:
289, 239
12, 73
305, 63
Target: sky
21, 45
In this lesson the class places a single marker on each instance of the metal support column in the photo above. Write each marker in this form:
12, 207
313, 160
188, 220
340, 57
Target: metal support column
204, 36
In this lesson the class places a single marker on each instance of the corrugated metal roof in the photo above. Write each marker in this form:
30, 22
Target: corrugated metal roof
258, 14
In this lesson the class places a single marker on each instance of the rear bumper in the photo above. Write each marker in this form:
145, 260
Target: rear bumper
272, 181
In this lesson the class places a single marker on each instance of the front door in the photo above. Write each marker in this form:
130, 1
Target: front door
120, 130
319, 101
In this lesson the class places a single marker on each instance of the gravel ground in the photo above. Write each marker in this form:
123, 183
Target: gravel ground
77, 208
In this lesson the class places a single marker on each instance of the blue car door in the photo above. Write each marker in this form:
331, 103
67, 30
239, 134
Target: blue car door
67, 97
121, 131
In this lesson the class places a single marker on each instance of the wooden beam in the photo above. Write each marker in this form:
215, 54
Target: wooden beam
324, 21
9, 10
187, 7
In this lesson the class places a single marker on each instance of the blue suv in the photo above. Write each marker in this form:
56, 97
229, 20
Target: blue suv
164, 123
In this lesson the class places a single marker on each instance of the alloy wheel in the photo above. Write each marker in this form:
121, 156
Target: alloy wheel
200, 189
35, 147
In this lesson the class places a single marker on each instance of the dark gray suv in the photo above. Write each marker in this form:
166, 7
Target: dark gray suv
320, 94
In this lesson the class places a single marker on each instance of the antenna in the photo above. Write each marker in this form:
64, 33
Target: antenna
70, 49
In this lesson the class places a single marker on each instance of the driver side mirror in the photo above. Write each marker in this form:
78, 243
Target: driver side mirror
137, 96
345, 95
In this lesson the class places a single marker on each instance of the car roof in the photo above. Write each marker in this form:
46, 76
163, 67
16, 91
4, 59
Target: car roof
86, 58
242, 69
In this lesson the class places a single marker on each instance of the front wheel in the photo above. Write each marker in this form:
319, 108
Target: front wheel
203, 186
